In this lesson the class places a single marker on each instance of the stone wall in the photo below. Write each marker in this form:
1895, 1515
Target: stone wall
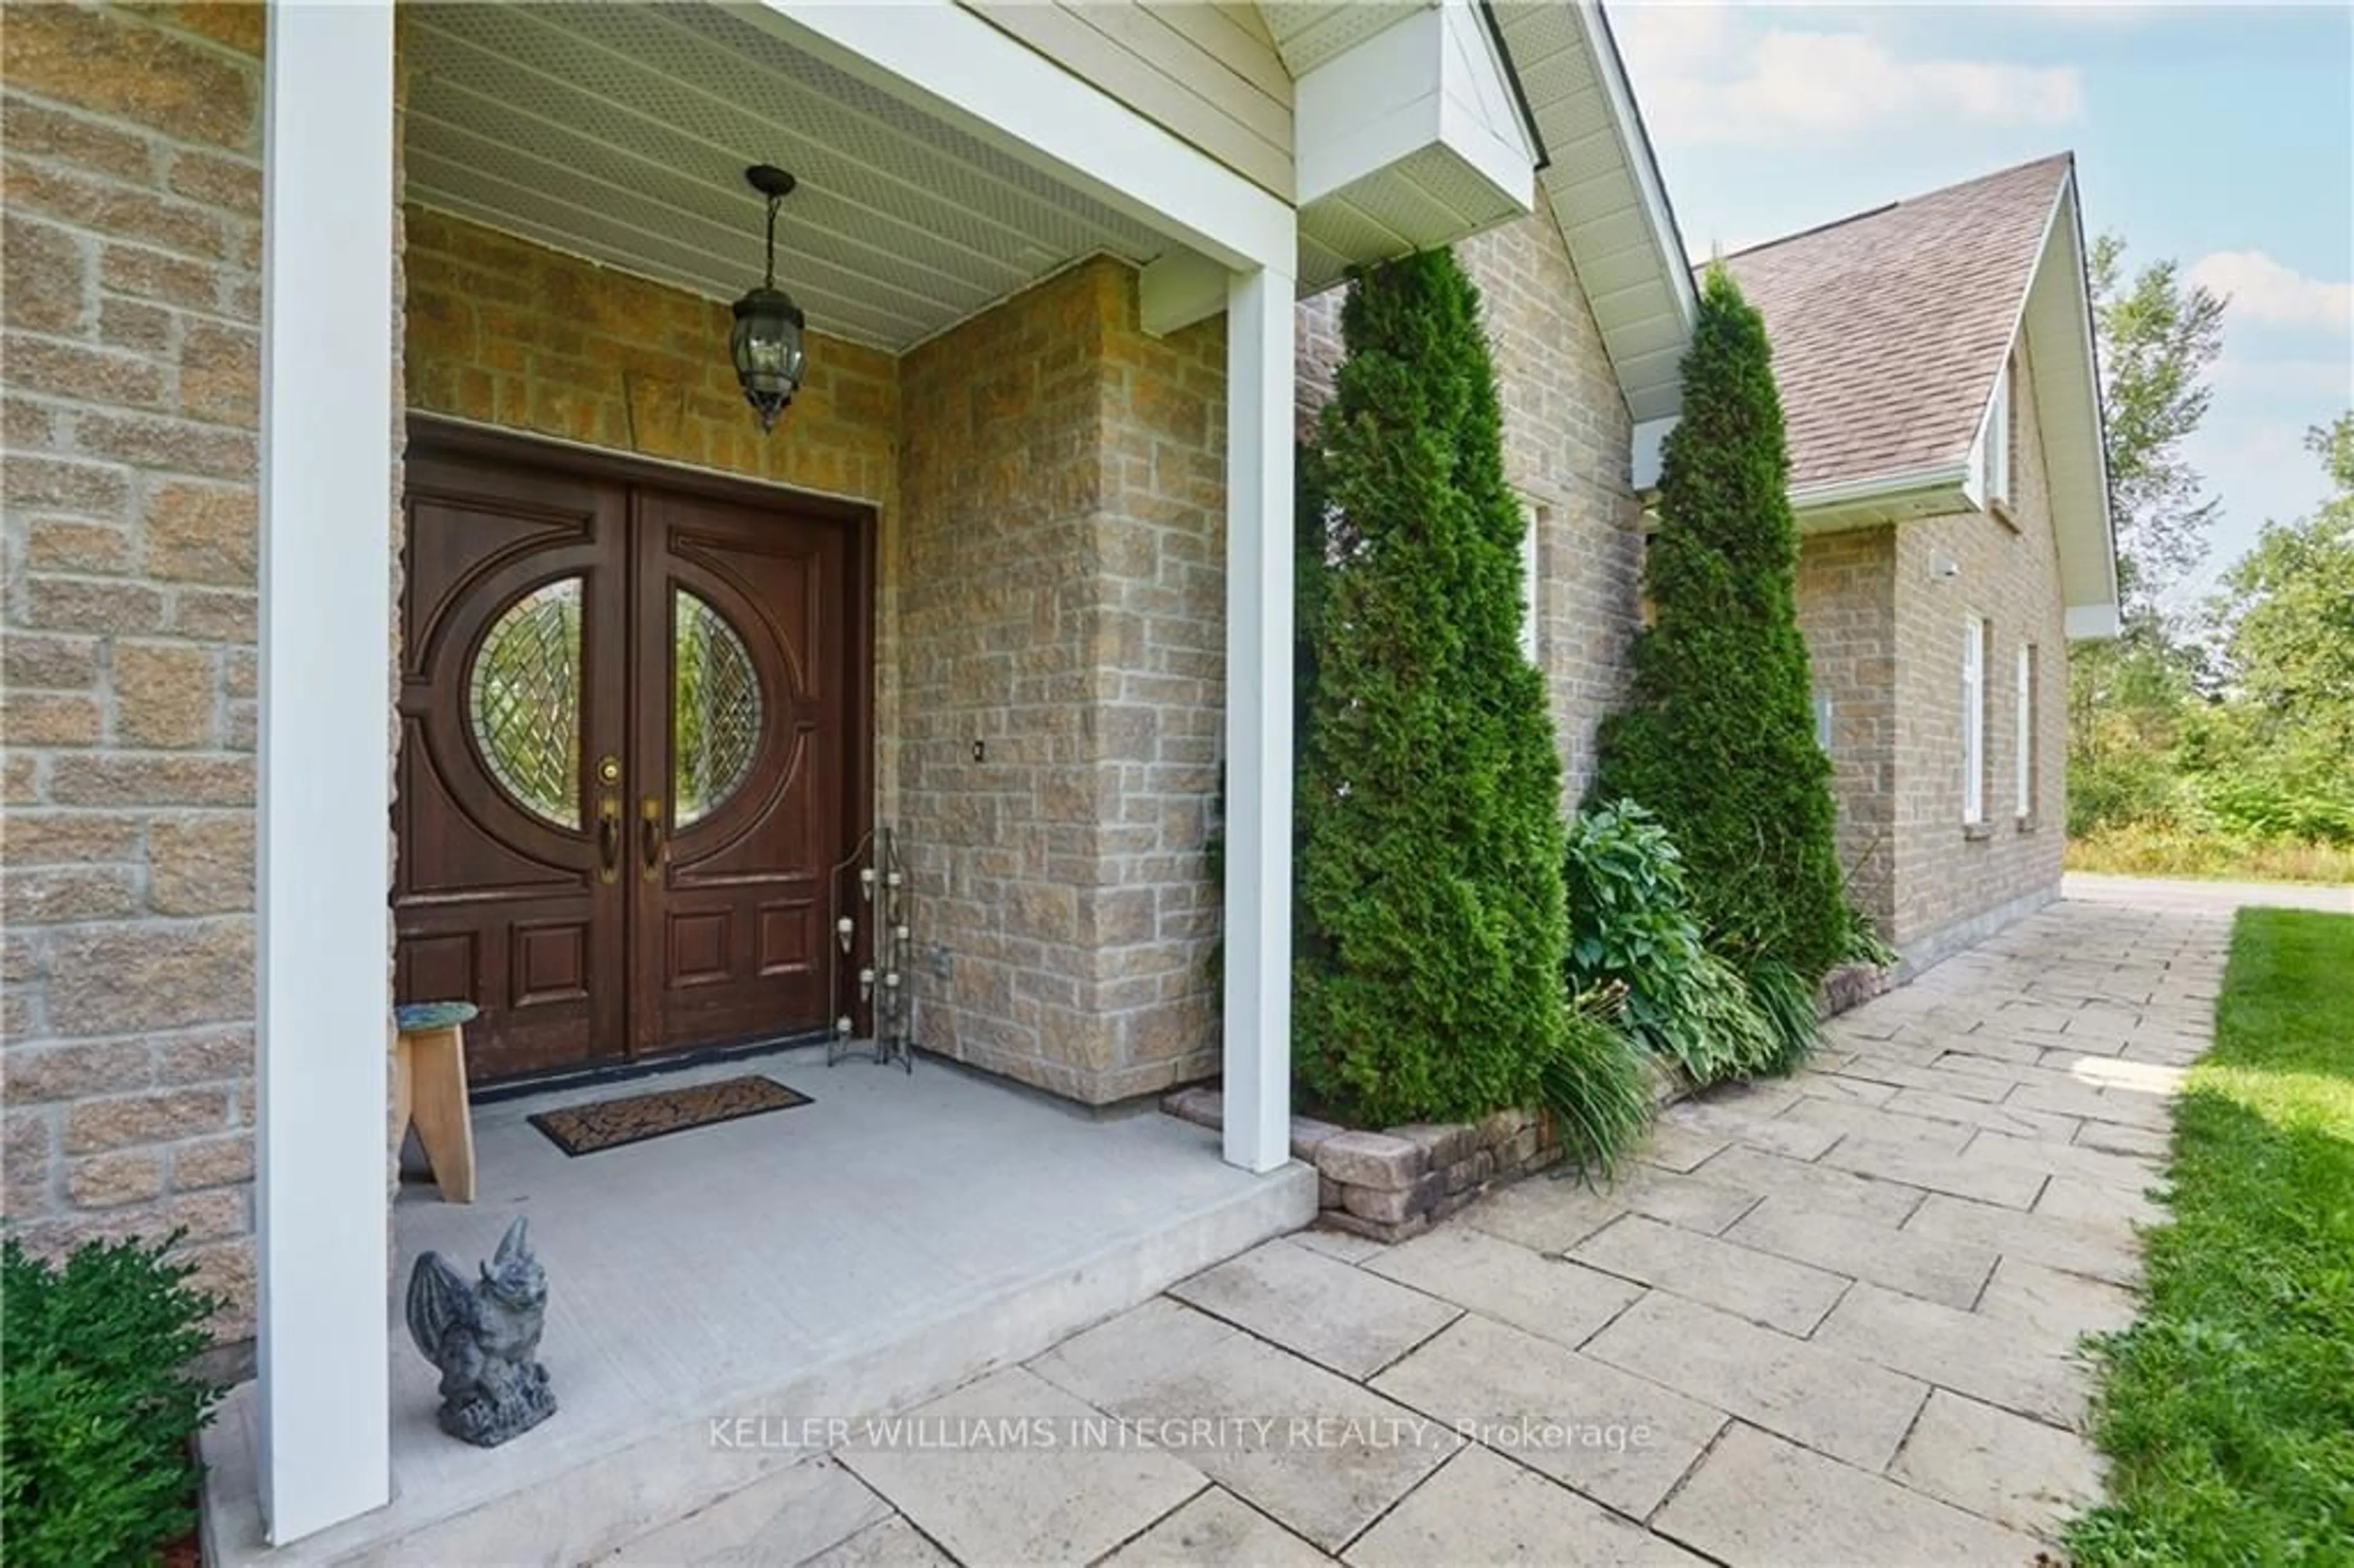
2008, 572
1567, 452
1390, 1185
1062, 641
131, 267
1847, 612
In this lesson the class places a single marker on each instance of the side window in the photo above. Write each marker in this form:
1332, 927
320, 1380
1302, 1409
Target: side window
1973, 696
1823, 720
1998, 440
2025, 742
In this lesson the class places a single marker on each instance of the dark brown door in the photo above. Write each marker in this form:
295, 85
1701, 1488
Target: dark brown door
747, 654
632, 720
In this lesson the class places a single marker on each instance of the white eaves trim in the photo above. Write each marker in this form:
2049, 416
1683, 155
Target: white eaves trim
1001, 90
1603, 186
1881, 488
2055, 323
1658, 215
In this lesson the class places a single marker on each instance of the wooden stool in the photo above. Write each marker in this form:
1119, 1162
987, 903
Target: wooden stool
430, 1087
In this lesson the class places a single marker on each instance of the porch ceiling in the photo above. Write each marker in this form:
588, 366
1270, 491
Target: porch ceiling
621, 134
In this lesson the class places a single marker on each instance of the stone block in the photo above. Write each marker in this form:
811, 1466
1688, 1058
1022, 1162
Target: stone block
1442, 1143
96, 1125
1308, 1135
1484, 1508
49, 718
1317, 1307
199, 532
1202, 1106
1503, 1382
1835, 1403
2005, 1467
167, 695
123, 66
109, 1181
1371, 1159
1764, 1290
114, 980
1390, 1206
1741, 1506
200, 864
213, 1162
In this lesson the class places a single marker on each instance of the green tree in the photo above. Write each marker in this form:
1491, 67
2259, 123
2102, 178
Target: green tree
2289, 612
1431, 920
2132, 700
2277, 758
1719, 742
2156, 340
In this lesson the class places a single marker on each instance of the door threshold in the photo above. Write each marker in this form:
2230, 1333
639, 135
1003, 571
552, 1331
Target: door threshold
624, 1072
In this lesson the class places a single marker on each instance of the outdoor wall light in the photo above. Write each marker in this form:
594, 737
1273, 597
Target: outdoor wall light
767, 342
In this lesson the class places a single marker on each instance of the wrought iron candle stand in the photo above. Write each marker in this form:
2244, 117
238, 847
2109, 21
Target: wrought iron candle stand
873, 930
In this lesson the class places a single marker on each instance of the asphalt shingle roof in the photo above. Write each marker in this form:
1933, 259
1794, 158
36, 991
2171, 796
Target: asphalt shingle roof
1889, 327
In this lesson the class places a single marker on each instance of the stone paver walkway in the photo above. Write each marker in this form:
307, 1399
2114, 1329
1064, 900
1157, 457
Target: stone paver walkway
1822, 1322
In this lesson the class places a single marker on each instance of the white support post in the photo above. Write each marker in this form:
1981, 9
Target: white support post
1258, 955
326, 637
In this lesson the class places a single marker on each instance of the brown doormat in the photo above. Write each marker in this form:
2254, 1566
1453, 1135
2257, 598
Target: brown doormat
609, 1124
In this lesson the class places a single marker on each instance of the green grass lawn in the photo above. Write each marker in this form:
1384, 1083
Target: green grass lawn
2227, 1410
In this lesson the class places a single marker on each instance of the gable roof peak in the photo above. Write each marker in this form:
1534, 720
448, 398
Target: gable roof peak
1888, 328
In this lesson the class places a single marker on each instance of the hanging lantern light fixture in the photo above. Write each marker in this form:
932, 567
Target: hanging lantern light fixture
767, 342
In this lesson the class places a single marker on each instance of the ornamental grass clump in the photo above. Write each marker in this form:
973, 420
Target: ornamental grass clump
1719, 742
1431, 927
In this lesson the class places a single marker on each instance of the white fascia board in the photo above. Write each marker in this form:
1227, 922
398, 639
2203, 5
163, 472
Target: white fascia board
2092, 621
1004, 91
1884, 487
2081, 298
1634, 142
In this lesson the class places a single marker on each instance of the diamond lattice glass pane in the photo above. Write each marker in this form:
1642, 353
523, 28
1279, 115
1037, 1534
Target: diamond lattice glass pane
524, 702
715, 715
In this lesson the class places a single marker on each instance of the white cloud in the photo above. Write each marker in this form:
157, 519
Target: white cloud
2263, 290
1701, 79
2319, 381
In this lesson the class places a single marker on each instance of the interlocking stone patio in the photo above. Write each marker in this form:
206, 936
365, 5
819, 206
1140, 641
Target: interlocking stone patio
1832, 1319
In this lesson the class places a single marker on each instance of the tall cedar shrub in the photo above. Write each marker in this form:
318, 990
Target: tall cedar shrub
1719, 741
1431, 922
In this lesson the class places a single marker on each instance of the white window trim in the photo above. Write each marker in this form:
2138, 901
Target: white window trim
2025, 739
1998, 443
1974, 632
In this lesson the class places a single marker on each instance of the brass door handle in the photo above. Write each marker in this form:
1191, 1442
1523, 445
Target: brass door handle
649, 835
609, 839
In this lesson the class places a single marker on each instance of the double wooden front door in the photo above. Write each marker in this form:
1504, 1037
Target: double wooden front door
632, 740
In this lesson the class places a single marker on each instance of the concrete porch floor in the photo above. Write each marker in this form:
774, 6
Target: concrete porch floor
898, 1236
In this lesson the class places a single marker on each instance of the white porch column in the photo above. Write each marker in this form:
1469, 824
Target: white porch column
326, 638
1258, 955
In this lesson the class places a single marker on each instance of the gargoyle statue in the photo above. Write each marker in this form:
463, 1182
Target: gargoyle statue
485, 1340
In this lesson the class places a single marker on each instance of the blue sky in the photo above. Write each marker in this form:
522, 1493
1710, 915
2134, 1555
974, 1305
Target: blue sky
2220, 135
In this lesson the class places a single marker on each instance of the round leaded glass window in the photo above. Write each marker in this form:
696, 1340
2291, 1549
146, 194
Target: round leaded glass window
714, 714
524, 702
